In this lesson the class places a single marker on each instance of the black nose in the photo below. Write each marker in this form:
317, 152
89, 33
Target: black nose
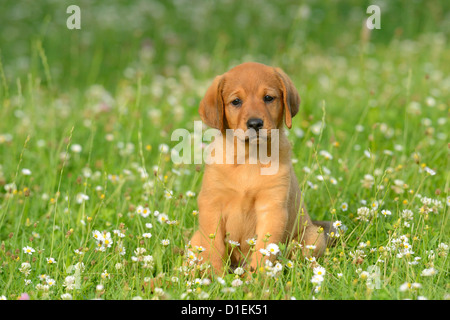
255, 123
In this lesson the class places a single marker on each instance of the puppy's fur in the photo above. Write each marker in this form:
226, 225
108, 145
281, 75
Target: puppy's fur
236, 202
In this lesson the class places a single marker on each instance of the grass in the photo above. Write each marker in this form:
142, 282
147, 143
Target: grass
87, 116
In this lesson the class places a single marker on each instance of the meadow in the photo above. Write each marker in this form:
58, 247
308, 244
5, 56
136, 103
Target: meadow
92, 206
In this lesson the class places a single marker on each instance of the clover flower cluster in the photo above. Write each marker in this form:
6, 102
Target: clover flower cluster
103, 239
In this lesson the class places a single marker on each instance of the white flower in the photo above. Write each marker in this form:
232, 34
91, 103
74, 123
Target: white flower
50, 260
26, 172
430, 101
190, 194
145, 212
105, 275
236, 282
69, 282
163, 218
66, 296
147, 235
165, 242
163, 148
168, 194
81, 197
337, 224
273, 249
364, 213
364, 275
385, 213
405, 286
25, 268
319, 270
317, 279
28, 250
76, 148
234, 243
239, 271
407, 214
344, 206
51, 282
428, 272
326, 155
374, 205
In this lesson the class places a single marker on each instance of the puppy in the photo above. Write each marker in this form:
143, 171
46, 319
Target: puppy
236, 202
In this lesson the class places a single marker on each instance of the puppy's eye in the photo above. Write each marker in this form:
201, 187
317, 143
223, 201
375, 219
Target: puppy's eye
236, 102
268, 98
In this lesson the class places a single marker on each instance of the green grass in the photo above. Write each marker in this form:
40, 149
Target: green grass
135, 72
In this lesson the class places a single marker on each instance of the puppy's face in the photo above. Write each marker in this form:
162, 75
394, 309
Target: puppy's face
250, 96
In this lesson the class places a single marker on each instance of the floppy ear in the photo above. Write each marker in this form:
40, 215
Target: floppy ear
291, 98
211, 107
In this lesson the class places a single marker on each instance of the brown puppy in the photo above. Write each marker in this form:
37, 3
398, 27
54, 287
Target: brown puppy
236, 201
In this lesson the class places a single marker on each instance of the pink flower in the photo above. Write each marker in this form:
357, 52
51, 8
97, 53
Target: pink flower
24, 296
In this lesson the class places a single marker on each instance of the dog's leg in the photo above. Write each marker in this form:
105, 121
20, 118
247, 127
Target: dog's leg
271, 220
213, 248
211, 233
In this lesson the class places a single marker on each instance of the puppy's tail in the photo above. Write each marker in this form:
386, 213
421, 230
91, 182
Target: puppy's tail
327, 230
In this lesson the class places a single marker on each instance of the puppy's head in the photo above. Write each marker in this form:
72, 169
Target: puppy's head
250, 96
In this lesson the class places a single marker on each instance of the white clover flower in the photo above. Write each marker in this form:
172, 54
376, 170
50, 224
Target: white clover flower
76, 148
236, 282
239, 271
66, 296
163, 148
428, 272
25, 268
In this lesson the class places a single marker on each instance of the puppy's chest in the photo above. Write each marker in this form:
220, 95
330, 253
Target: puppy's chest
244, 179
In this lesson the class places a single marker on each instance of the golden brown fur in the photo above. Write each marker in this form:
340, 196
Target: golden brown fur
236, 202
